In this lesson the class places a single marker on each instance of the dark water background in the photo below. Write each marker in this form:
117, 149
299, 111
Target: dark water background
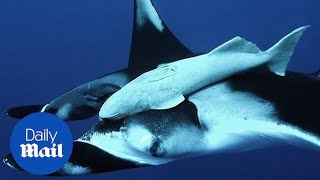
50, 46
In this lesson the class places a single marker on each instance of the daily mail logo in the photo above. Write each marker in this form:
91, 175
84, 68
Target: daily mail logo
33, 151
41, 140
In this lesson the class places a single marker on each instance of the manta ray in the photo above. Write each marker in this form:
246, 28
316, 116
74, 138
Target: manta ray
249, 110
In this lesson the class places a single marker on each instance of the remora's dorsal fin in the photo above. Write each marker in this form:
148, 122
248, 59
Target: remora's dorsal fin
152, 42
236, 45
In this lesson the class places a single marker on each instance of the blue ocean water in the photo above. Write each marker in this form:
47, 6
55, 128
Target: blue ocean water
48, 47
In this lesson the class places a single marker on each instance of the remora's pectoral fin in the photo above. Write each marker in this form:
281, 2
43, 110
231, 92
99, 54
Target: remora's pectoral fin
23, 111
169, 98
152, 42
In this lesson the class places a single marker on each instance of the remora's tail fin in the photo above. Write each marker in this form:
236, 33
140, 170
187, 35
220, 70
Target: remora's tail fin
277, 57
283, 50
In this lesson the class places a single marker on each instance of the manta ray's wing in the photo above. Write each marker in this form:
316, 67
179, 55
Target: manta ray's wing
152, 42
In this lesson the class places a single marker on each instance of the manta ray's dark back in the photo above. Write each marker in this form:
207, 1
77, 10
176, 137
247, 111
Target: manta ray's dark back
295, 96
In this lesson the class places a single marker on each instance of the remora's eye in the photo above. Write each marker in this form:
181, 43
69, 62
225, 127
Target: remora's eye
156, 150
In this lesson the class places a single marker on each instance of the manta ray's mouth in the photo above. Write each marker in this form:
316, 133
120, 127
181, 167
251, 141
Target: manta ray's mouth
89, 158
114, 117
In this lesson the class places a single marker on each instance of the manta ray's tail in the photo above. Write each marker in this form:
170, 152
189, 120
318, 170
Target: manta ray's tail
283, 50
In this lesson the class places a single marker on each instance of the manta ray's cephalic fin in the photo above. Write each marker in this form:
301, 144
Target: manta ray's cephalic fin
316, 74
22, 111
152, 42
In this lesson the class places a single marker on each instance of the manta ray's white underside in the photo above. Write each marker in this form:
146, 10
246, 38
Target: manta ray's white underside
239, 121
233, 122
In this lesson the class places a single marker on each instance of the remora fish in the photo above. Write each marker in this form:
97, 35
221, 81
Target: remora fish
165, 86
